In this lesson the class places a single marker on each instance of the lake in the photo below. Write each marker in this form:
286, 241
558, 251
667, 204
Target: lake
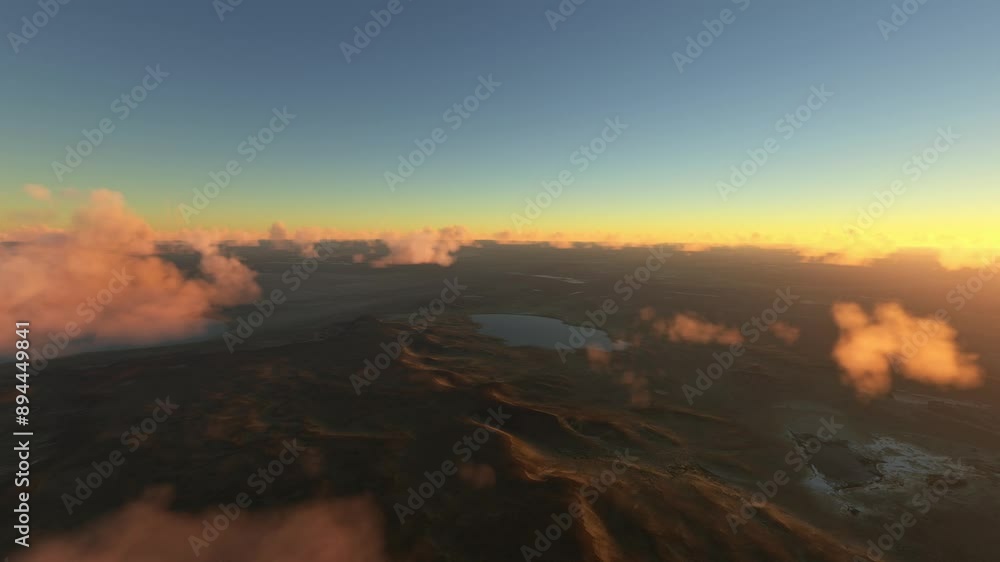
537, 331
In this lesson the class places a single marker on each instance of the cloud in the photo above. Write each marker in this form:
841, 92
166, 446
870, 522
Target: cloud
30, 234
404, 248
693, 247
347, 530
637, 386
424, 246
597, 358
920, 349
563, 241
955, 259
278, 231
99, 281
202, 238
38, 192
785, 332
439, 246
691, 328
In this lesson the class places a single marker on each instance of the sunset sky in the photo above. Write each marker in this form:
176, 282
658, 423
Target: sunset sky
938, 70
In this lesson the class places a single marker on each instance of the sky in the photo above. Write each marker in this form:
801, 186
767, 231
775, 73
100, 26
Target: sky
925, 86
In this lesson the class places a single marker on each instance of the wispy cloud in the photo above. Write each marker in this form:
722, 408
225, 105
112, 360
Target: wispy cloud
38, 192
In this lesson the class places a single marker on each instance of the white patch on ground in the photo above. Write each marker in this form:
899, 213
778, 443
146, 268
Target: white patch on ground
818, 482
905, 465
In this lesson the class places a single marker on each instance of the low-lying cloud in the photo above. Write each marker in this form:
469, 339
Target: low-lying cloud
347, 530
424, 246
921, 349
786, 332
38, 192
100, 282
690, 328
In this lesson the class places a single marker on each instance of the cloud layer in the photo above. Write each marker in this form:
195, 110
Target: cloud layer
845, 247
100, 282
922, 349
425, 246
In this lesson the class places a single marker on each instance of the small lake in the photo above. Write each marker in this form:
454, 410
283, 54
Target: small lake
537, 331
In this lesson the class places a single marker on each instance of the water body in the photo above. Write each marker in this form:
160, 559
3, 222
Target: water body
537, 331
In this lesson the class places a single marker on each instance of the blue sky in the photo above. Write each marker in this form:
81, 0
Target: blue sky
354, 120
